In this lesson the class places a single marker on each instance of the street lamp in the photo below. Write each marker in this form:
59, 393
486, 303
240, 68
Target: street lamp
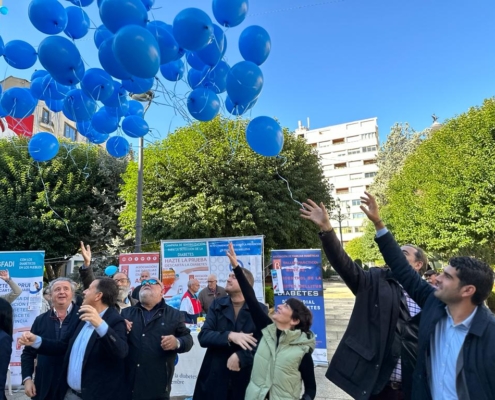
143, 98
340, 216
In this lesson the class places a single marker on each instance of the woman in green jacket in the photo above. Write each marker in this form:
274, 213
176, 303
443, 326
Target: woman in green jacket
283, 358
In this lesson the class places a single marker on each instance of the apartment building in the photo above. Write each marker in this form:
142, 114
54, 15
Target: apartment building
348, 156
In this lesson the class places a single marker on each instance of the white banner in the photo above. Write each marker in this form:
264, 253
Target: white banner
133, 264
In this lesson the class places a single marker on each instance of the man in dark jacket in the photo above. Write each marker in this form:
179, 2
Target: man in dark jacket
456, 356
377, 353
228, 335
157, 334
94, 358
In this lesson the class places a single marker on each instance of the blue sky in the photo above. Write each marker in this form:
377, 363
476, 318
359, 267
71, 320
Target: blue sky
338, 61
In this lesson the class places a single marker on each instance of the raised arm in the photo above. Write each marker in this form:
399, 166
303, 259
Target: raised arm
86, 271
15, 292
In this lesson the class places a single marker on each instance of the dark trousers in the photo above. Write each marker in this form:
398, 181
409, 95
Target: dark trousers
388, 394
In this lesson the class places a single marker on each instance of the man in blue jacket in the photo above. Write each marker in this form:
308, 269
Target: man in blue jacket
456, 356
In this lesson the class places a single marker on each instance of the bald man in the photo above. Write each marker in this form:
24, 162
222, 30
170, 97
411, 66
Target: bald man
190, 304
210, 293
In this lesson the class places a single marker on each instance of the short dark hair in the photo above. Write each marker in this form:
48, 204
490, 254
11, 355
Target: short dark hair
430, 272
302, 313
472, 271
6, 317
421, 256
249, 275
108, 289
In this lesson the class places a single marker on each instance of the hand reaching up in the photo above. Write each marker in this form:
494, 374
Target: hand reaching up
317, 214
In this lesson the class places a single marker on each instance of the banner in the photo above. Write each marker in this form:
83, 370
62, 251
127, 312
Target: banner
183, 260
26, 269
133, 264
298, 273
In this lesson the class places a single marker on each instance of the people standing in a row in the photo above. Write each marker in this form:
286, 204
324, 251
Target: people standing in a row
210, 293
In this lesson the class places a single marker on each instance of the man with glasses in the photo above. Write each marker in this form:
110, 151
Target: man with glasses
157, 333
124, 298
210, 293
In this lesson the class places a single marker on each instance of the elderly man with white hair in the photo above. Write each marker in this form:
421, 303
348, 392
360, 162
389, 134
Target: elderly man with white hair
210, 293
190, 304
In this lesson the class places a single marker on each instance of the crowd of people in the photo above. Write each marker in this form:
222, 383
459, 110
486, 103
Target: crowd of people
407, 338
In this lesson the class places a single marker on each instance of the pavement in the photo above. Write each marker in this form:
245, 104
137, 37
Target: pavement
339, 302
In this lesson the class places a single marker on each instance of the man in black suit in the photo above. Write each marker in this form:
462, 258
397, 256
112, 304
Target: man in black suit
93, 365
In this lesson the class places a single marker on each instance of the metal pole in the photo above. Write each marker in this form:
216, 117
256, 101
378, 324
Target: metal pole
340, 231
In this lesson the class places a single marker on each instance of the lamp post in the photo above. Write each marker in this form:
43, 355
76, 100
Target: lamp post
340, 216
144, 98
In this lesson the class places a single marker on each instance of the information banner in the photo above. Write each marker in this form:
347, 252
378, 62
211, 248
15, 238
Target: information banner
183, 260
298, 273
26, 270
133, 264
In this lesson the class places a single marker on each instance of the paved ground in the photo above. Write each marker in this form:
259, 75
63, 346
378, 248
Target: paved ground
338, 306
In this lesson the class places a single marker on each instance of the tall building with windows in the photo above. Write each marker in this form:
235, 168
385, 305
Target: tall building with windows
348, 155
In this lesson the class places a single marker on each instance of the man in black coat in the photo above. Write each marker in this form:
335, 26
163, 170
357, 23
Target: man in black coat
157, 334
228, 335
376, 356
59, 323
456, 356
94, 358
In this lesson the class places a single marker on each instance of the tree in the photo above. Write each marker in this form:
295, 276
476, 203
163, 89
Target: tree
364, 247
203, 181
443, 199
52, 206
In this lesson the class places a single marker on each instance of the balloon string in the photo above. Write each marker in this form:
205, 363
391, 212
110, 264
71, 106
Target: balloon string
48, 201
287, 182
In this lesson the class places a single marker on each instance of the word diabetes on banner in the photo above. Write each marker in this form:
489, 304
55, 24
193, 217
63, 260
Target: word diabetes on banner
298, 273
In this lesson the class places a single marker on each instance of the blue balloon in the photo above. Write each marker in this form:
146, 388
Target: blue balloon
37, 88
117, 146
238, 109
85, 128
214, 52
101, 34
20, 54
118, 96
77, 23
48, 16
135, 108
135, 126
196, 78
96, 137
111, 270
97, 84
82, 3
43, 146
18, 102
194, 61
203, 104
52, 89
109, 62
137, 50
38, 73
103, 122
138, 85
78, 106
244, 82
255, 44
193, 29
230, 13
216, 77
119, 111
265, 136
115, 14
55, 105
173, 71
2, 47
169, 48
148, 4
60, 57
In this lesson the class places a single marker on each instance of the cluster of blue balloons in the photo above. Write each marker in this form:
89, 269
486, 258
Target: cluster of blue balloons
132, 50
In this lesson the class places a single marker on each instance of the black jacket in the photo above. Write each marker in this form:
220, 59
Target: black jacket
48, 368
150, 369
365, 357
214, 378
103, 364
5, 353
476, 374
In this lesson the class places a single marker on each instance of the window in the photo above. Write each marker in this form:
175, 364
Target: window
356, 202
354, 164
340, 166
370, 135
357, 215
301, 135
355, 176
358, 229
70, 132
342, 191
326, 143
314, 145
338, 141
341, 154
369, 174
353, 151
369, 162
45, 116
351, 139
357, 189
369, 148
346, 229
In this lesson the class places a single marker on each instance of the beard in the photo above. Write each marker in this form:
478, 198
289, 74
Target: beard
123, 292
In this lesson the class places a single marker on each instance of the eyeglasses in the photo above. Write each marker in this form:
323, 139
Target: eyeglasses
211, 281
121, 280
150, 282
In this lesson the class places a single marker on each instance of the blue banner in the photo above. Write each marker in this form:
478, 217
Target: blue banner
298, 274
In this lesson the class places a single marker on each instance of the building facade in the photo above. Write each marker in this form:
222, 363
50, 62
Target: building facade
348, 155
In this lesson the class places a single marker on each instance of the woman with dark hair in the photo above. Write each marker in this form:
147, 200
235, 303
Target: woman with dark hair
6, 327
283, 358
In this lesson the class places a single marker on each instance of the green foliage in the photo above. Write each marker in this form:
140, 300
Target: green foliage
203, 181
52, 206
364, 247
269, 296
443, 199
491, 301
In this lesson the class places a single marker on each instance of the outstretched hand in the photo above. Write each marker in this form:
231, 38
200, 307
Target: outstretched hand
370, 208
86, 253
317, 214
232, 256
